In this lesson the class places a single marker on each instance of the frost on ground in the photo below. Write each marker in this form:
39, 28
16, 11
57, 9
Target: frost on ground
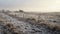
14, 26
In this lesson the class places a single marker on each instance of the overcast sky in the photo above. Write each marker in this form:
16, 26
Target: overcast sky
31, 5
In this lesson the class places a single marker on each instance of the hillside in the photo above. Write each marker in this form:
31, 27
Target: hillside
17, 23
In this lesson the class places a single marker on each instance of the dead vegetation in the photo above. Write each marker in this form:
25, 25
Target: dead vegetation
53, 25
11, 29
53, 21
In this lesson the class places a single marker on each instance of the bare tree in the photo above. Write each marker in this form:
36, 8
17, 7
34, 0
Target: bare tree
21, 11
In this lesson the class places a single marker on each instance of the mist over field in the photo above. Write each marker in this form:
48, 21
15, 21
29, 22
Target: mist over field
31, 5
29, 16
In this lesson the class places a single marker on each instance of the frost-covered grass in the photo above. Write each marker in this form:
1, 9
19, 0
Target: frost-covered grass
50, 19
30, 27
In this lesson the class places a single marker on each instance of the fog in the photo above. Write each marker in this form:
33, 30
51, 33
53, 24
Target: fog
31, 5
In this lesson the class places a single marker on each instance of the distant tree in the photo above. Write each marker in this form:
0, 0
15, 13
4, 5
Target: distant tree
3, 10
21, 11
